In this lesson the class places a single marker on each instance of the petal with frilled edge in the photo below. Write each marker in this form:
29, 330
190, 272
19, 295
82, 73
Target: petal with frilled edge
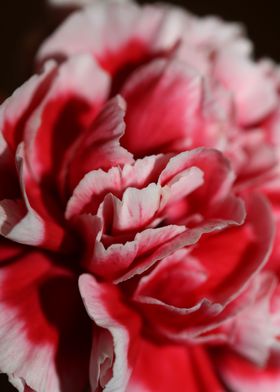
94, 186
113, 261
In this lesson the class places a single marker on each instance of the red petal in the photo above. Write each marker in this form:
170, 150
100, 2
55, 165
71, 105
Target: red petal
44, 331
117, 341
102, 137
165, 110
241, 375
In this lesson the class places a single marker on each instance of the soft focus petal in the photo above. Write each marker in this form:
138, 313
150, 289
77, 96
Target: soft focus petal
166, 368
241, 375
252, 332
254, 93
124, 34
167, 110
43, 328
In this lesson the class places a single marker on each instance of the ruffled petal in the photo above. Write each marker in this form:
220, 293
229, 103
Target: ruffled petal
132, 213
92, 189
117, 261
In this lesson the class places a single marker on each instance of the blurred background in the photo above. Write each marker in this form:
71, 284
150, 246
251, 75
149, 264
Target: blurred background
24, 24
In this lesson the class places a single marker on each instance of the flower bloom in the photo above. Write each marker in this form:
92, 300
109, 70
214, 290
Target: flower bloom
139, 208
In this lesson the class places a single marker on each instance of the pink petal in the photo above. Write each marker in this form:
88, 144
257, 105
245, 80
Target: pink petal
210, 33
254, 93
260, 237
253, 158
124, 248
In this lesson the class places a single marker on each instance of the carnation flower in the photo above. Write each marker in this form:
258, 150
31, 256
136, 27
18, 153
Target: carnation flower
139, 206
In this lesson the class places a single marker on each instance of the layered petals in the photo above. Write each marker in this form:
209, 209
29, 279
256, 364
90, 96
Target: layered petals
139, 199
119, 346
207, 295
122, 233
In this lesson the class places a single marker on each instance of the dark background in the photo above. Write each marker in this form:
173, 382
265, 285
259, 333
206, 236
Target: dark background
24, 23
